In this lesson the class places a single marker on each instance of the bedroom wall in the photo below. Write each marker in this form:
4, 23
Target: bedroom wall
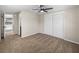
71, 25
30, 23
63, 24
41, 23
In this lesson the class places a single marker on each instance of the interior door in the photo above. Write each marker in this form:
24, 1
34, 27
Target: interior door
48, 24
58, 25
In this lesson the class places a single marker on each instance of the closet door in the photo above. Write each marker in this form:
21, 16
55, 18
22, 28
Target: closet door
58, 24
48, 24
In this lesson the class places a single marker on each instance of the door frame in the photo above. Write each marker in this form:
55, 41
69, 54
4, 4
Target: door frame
2, 26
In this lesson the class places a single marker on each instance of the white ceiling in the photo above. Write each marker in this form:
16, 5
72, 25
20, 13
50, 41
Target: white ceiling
18, 8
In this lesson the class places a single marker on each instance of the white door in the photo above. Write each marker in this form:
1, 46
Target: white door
48, 24
58, 25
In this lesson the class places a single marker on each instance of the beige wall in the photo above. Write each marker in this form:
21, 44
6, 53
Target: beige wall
30, 23
71, 25
41, 23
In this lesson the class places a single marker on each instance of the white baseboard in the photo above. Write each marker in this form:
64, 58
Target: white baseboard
54, 36
28, 35
65, 39
72, 41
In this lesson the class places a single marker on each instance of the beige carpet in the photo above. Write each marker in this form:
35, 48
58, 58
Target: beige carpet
38, 43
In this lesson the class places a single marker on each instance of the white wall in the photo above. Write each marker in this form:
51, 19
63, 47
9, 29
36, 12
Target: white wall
63, 24
30, 23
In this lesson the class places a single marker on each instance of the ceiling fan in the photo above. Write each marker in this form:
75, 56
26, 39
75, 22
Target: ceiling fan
42, 8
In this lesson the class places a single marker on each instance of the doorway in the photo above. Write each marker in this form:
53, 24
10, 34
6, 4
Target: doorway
8, 24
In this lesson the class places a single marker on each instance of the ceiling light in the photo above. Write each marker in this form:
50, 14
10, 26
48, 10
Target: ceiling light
41, 11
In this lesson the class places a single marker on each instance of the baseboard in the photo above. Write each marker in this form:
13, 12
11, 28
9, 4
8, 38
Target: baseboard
72, 41
28, 35
54, 36
63, 39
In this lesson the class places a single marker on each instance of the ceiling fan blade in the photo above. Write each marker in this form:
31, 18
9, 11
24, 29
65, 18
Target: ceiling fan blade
45, 11
48, 8
41, 6
35, 9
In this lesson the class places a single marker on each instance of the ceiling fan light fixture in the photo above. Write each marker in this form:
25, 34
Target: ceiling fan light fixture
41, 11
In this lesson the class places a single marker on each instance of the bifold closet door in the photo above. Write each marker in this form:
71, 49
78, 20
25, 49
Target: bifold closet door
48, 24
58, 24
